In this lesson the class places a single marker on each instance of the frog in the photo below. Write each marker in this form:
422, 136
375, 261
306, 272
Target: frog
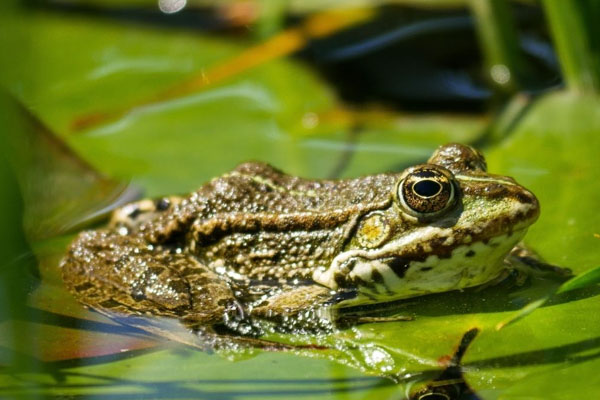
256, 244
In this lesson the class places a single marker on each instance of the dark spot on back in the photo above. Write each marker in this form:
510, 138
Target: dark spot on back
224, 302
83, 287
162, 204
138, 295
376, 276
178, 285
155, 270
426, 269
110, 303
135, 213
399, 265
470, 253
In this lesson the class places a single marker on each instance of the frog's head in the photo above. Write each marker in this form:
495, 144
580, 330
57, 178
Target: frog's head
449, 226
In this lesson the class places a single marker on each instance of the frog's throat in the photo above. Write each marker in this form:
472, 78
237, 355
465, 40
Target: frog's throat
467, 265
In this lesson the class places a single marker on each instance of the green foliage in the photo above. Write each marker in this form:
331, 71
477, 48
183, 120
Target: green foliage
552, 152
586, 279
576, 36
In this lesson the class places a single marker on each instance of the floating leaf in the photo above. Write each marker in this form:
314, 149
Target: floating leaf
585, 279
60, 191
552, 150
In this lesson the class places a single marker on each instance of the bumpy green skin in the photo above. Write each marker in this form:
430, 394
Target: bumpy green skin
257, 243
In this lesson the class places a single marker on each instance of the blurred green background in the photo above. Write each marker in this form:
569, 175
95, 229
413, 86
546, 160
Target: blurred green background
104, 101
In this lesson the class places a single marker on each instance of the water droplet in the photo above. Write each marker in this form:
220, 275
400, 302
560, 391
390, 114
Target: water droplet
171, 6
500, 74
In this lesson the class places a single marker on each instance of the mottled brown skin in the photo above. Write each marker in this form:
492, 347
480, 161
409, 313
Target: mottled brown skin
272, 238
246, 245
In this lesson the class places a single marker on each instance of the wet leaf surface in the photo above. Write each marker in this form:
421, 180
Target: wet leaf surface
552, 150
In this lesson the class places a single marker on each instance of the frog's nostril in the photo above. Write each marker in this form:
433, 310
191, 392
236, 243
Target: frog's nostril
526, 197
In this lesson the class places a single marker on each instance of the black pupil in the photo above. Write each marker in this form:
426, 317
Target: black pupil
427, 188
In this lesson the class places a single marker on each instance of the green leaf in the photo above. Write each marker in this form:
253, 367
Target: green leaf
279, 112
523, 312
553, 152
585, 279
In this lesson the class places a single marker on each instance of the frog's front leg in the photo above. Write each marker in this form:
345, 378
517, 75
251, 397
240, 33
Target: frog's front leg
293, 301
313, 307
297, 308
525, 262
521, 264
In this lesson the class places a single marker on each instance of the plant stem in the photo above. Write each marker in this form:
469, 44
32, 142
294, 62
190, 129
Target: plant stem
272, 14
499, 43
574, 26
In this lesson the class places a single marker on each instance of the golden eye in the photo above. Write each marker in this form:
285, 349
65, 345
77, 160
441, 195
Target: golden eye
426, 191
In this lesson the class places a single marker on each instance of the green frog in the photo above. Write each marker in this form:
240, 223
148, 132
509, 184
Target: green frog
256, 244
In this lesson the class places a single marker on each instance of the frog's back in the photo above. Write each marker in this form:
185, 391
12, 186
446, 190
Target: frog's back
264, 223
256, 193
254, 187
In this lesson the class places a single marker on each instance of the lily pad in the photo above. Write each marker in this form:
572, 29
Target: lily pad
553, 352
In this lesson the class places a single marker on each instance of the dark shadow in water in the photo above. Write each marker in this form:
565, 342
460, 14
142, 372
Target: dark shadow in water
506, 296
450, 384
135, 389
65, 321
549, 355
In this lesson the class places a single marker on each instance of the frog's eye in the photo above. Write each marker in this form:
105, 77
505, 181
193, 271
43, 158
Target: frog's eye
426, 191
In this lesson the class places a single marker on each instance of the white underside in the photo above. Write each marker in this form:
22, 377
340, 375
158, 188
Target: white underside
455, 272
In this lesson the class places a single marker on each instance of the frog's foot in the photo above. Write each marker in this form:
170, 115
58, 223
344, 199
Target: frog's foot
237, 321
527, 263
522, 264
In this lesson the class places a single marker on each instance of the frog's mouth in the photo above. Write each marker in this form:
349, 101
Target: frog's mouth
387, 274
